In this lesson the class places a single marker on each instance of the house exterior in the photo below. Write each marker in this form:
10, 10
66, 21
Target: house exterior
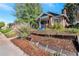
50, 18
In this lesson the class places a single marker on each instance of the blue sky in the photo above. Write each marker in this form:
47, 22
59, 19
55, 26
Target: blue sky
7, 10
52, 7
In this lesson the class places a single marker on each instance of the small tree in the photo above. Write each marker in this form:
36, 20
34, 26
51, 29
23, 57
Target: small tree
2, 24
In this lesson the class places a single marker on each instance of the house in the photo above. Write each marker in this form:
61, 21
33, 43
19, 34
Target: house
48, 19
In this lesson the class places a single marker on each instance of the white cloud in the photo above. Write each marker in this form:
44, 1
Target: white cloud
6, 7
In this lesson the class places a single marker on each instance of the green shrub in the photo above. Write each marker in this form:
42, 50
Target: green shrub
76, 26
72, 30
2, 24
57, 26
10, 34
5, 30
23, 31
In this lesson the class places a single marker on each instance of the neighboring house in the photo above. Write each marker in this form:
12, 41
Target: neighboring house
50, 18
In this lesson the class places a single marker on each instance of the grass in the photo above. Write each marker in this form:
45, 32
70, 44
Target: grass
72, 30
5, 30
8, 32
60, 29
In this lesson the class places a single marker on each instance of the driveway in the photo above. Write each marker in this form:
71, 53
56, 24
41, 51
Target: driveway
7, 48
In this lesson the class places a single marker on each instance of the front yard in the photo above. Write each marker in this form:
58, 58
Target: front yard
28, 43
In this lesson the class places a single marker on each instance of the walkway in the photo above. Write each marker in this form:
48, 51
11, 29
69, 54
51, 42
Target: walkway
9, 49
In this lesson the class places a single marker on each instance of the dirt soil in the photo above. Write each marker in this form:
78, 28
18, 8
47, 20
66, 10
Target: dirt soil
60, 43
29, 48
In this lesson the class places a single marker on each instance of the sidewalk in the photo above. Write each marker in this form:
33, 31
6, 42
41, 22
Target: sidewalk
9, 49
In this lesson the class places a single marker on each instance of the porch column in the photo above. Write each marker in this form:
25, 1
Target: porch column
39, 23
51, 21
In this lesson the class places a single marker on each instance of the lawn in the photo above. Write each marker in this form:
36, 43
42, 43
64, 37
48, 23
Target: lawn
8, 32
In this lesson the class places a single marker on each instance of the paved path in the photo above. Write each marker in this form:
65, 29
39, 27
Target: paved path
7, 48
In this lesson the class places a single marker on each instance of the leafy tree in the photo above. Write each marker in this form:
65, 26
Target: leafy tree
2, 24
71, 11
27, 11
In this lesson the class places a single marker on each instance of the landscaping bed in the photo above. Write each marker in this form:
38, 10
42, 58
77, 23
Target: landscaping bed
29, 48
50, 32
66, 31
64, 44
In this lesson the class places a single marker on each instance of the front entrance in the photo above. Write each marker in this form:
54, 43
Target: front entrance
42, 25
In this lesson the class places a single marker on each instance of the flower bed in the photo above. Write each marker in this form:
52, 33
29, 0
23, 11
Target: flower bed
29, 48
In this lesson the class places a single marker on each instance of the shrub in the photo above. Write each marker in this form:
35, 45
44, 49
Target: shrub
5, 30
58, 27
23, 31
72, 30
76, 26
2, 24
10, 34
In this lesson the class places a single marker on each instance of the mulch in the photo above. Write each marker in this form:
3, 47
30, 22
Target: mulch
65, 44
29, 48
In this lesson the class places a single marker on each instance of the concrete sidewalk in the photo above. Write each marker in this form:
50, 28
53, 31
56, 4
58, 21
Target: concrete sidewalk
7, 48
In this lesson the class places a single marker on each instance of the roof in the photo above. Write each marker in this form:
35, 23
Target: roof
45, 15
53, 13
